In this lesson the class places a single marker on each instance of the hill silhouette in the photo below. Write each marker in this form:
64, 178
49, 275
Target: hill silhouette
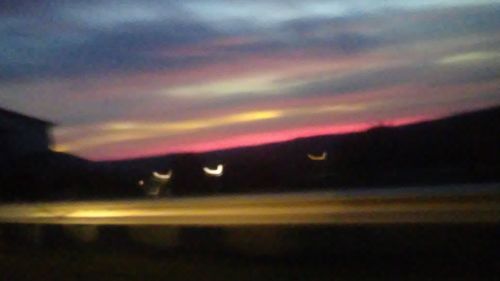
460, 149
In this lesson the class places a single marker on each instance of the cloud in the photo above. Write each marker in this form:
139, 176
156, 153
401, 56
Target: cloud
101, 36
198, 64
116, 132
104, 37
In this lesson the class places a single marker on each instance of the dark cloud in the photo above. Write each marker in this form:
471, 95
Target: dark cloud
432, 75
121, 49
20, 7
443, 23
428, 75
49, 44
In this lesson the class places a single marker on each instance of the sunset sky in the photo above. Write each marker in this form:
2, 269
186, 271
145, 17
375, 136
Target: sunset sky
128, 79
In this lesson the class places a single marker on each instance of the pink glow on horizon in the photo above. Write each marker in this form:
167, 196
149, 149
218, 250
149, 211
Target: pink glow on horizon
256, 139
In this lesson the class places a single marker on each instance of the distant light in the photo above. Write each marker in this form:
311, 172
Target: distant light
321, 157
166, 176
217, 172
140, 183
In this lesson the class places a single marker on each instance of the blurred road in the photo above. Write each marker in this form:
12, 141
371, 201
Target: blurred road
449, 204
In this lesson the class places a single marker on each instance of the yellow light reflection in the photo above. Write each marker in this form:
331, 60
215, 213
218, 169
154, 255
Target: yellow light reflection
127, 131
98, 140
251, 116
117, 132
382, 206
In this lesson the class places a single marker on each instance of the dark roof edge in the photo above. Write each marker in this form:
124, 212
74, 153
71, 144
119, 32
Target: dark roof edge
26, 117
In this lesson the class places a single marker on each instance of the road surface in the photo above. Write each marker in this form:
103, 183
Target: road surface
450, 204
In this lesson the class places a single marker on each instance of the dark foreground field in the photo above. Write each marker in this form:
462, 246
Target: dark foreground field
409, 252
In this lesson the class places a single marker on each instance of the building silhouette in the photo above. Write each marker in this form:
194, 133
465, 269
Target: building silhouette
21, 135
30, 170
24, 142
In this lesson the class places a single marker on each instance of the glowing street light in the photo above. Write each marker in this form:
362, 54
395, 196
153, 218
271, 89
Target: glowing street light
217, 172
321, 157
163, 177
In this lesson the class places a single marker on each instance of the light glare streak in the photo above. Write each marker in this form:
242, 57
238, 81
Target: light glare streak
217, 172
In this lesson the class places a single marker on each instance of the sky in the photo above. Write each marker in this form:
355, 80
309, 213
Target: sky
125, 79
